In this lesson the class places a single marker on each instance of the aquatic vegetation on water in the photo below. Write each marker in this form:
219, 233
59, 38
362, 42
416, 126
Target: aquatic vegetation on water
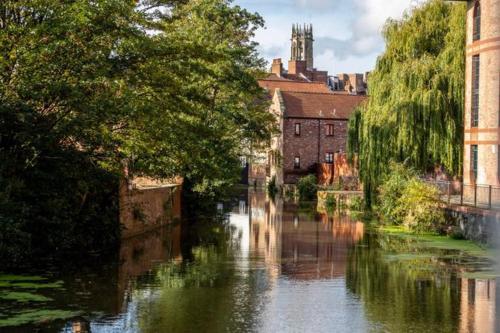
468, 258
23, 297
15, 297
32, 285
430, 240
8, 277
36, 316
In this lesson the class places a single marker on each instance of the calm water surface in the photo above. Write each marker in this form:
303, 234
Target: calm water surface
266, 266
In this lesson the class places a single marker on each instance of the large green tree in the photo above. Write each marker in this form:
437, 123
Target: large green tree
415, 110
166, 87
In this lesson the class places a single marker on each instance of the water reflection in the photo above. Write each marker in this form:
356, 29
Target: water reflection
273, 266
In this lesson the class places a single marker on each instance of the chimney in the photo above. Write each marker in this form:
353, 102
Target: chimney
297, 66
277, 67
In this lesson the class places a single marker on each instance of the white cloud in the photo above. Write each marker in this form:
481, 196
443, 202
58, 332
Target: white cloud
347, 32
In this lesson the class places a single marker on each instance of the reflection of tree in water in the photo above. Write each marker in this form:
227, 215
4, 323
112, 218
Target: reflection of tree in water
206, 292
416, 294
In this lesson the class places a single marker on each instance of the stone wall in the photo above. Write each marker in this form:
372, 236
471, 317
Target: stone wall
479, 225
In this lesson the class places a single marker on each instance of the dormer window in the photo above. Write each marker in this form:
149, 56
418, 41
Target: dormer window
476, 24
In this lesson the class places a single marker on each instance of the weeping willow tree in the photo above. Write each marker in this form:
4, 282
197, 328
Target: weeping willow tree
415, 111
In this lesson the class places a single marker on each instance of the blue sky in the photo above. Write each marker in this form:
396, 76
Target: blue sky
347, 32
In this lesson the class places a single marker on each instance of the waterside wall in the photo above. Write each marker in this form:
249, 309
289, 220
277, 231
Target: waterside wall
476, 224
144, 208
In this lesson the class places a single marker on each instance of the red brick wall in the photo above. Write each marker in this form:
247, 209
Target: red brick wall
145, 209
306, 145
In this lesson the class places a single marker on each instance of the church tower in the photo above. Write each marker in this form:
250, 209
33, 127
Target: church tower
302, 45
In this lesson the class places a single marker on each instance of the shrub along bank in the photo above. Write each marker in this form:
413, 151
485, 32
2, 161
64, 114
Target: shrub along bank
406, 200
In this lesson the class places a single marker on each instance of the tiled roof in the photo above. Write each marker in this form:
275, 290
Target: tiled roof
319, 105
274, 77
297, 86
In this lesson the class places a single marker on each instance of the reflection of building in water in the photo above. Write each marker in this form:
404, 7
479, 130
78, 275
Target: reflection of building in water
477, 306
139, 254
315, 250
300, 245
265, 229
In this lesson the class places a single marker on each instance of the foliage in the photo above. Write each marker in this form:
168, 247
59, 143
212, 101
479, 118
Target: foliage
421, 207
307, 187
356, 204
330, 202
391, 190
415, 110
164, 88
272, 189
407, 200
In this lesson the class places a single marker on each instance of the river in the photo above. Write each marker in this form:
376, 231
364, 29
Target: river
260, 265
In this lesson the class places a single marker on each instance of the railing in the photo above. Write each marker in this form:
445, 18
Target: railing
475, 195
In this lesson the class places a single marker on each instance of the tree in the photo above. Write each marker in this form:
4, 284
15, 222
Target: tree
415, 110
167, 87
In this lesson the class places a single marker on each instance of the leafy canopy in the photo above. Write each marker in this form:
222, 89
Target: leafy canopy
415, 110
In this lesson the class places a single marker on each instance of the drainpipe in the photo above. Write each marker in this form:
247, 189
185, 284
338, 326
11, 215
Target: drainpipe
319, 139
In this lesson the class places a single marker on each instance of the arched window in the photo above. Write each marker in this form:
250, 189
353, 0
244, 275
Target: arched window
476, 29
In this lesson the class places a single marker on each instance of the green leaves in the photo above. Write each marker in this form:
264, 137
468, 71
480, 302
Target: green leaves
169, 87
415, 111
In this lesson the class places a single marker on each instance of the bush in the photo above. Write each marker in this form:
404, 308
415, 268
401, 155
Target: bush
307, 187
421, 207
392, 189
357, 204
330, 202
407, 200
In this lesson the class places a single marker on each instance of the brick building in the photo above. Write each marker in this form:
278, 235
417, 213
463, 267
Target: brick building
313, 128
482, 117
312, 114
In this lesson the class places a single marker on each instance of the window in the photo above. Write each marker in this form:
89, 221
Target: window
473, 159
297, 129
476, 28
475, 91
296, 162
329, 130
329, 158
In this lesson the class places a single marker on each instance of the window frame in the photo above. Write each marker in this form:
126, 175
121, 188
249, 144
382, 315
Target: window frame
474, 160
297, 129
475, 85
329, 158
330, 130
296, 162
476, 21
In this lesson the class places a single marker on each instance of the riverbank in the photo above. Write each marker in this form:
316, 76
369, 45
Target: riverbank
238, 268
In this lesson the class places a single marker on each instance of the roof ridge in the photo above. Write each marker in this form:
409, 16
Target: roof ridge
294, 81
322, 93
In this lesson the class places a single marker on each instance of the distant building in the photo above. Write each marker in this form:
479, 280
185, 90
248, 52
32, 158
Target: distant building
313, 129
312, 110
301, 66
482, 117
